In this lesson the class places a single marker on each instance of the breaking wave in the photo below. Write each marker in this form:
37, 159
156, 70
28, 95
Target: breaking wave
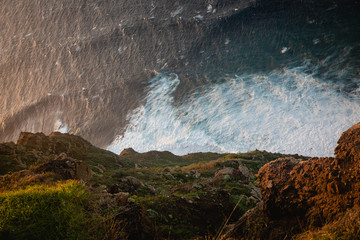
288, 111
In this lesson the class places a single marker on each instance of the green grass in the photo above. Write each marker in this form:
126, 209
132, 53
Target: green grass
41, 212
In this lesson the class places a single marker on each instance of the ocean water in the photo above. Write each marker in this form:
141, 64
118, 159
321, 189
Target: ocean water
288, 111
182, 76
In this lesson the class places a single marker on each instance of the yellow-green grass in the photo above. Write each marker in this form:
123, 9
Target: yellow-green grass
44, 212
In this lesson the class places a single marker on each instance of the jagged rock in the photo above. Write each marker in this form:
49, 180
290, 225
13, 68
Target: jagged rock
102, 188
227, 171
274, 189
255, 191
129, 184
100, 168
298, 195
121, 198
67, 168
151, 188
71, 145
35, 141
348, 148
128, 151
252, 199
244, 173
100, 171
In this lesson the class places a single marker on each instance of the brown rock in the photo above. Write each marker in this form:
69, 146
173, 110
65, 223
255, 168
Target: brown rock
127, 184
128, 151
34, 141
71, 145
121, 198
227, 171
245, 173
67, 168
348, 147
273, 178
298, 195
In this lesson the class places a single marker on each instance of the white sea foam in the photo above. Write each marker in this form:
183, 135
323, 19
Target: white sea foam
288, 111
60, 127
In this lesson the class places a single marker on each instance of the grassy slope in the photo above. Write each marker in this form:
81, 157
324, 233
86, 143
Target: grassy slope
46, 212
179, 202
180, 194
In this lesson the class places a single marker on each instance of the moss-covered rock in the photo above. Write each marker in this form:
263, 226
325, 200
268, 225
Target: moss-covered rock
9, 162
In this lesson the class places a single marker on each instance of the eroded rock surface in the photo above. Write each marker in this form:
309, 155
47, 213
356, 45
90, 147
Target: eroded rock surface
67, 168
299, 195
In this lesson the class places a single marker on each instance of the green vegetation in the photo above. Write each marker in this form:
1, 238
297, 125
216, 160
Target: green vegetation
54, 212
153, 195
61, 210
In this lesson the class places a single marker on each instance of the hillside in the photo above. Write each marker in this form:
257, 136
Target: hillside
90, 193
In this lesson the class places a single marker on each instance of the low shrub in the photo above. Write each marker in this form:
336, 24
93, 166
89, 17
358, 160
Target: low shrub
44, 212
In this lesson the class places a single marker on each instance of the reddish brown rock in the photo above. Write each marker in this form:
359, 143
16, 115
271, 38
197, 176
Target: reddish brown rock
299, 195
349, 145
128, 151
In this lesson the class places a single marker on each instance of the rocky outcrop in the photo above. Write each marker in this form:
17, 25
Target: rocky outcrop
230, 172
160, 195
66, 168
66, 155
348, 149
299, 195
46, 147
147, 159
9, 162
128, 152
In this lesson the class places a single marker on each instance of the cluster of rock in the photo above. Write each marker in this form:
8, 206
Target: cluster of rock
66, 168
296, 193
299, 195
36, 148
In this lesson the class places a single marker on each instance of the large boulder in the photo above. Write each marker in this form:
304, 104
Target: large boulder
231, 172
298, 195
245, 173
348, 148
66, 168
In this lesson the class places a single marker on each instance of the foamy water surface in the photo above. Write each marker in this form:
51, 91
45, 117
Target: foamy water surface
286, 111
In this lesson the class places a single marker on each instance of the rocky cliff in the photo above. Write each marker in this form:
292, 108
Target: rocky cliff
152, 195
307, 196
159, 195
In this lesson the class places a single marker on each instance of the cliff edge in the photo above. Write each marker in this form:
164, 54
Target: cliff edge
302, 199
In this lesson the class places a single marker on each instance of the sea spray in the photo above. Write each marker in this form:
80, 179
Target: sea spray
289, 111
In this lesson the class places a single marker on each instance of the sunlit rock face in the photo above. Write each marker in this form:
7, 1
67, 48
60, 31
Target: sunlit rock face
308, 193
